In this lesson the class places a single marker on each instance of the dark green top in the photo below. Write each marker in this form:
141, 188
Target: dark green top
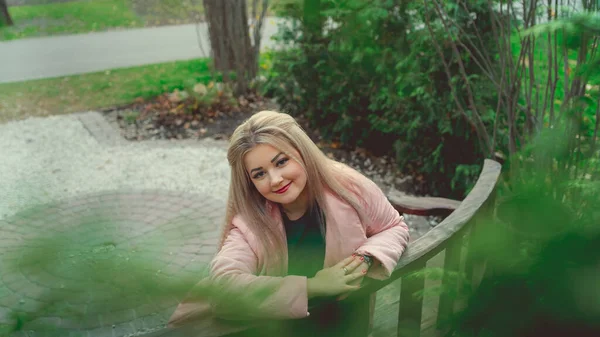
306, 256
306, 244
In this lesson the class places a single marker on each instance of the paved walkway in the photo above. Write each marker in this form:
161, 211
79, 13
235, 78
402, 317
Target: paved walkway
123, 259
37, 58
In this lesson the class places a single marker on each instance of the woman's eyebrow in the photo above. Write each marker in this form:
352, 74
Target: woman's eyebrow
275, 158
272, 160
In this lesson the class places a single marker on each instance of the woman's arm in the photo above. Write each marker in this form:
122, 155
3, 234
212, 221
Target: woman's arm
387, 234
240, 294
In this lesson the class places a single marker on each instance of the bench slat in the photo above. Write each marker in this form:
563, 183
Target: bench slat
424, 206
410, 306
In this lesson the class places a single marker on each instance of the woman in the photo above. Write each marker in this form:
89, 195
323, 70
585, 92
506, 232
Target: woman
300, 230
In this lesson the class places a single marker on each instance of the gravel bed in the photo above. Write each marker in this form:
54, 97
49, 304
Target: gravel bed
381, 170
56, 158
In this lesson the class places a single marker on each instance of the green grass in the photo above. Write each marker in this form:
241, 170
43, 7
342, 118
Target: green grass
168, 12
70, 18
99, 15
97, 90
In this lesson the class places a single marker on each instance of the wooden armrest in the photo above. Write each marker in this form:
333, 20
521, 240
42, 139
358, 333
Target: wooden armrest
423, 205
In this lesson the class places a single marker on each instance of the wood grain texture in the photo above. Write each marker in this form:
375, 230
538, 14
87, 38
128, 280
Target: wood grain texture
423, 206
410, 306
451, 264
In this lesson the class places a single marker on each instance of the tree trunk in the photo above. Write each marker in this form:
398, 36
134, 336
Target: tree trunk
231, 47
5, 19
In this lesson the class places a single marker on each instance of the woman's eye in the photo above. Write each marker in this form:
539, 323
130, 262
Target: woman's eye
258, 175
282, 161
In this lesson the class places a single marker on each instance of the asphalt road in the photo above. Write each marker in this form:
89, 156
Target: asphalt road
37, 58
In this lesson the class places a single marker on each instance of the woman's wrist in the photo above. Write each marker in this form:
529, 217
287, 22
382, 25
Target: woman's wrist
368, 259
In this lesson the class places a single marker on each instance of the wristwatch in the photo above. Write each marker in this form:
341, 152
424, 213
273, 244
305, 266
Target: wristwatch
368, 260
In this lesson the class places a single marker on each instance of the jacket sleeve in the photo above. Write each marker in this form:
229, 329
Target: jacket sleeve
241, 294
387, 233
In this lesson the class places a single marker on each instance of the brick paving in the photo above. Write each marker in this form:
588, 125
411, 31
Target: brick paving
105, 264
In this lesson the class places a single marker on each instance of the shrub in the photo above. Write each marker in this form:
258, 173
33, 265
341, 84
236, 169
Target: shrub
381, 85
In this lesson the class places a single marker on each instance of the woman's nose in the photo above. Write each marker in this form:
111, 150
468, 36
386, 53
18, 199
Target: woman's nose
276, 179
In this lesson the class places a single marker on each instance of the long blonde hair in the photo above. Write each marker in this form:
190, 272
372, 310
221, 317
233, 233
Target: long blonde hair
281, 131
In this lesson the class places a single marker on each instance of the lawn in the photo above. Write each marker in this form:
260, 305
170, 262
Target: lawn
97, 90
100, 15
70, 18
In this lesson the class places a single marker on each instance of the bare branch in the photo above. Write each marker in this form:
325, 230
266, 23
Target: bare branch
487, 59
479, 125
447, 71
595, 136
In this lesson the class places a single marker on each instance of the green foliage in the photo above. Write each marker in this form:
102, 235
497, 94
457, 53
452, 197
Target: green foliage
375, 80
84, 274
453, 280
541, 271
211, 94
542, 264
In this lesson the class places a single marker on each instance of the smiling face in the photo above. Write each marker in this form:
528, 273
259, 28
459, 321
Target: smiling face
277, 177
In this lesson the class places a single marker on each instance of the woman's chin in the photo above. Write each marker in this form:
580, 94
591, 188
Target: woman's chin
285, 198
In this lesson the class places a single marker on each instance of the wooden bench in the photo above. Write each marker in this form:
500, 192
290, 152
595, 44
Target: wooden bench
450, 238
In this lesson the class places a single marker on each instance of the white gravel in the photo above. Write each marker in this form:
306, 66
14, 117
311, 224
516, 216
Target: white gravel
50, 159
55, 158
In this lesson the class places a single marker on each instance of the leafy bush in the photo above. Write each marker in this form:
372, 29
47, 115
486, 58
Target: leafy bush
374, 80
542, 267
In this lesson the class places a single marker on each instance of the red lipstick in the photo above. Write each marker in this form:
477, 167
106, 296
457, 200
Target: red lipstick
283, 189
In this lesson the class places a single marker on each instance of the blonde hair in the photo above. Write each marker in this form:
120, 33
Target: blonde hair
281, 131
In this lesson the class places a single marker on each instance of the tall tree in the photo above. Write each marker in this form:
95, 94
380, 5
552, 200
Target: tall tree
5, 19
232, 48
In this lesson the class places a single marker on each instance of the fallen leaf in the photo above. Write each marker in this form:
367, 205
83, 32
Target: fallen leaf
200, 89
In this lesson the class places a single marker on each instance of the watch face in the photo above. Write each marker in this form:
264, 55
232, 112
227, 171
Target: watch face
368, 259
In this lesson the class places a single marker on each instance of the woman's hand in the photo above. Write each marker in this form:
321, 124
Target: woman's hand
338, 279
363, 266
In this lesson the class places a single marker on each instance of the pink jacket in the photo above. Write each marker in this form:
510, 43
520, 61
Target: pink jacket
383, 235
